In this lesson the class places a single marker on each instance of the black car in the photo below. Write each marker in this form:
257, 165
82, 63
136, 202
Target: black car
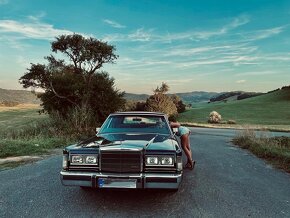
130, 150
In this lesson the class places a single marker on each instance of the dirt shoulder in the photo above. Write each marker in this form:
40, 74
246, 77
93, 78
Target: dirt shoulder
11, 162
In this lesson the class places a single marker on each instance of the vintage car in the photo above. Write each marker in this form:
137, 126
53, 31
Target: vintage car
131, 150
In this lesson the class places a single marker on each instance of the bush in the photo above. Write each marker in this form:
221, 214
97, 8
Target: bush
231, 122
214, 117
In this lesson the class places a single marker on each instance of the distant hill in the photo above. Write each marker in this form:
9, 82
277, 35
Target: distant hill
196, 96
234, 95
18, 96
187, 97
269, 109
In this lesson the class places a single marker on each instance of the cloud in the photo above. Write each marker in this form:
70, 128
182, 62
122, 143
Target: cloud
201, 35
236, 49
239, 21
235, 60
241, 81
3, 2
114, 24
144, 35
33, 30
257, 73
141, 35
263, 34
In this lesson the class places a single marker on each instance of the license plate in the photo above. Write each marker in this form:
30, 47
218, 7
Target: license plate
117, 183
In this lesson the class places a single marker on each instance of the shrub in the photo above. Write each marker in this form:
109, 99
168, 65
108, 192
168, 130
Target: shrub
214, 117
231, 122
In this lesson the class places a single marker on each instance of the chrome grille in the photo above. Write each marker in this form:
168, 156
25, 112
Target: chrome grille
121, 161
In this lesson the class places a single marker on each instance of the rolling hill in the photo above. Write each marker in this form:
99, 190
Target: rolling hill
18, 96
269, 109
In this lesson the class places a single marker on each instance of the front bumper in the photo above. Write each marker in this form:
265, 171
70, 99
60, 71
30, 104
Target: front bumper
140, 180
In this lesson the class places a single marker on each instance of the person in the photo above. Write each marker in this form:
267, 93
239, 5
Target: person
183, 133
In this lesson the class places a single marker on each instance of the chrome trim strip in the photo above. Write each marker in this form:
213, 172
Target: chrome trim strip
123, 175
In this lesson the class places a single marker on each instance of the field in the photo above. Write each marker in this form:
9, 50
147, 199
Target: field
19, 116
23, 131
269, 109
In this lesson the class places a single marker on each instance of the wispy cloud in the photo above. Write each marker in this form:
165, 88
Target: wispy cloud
34, 30
257, 73
3, 2
114, 24
231, 49
142, 34
241, 81
235, 60
262, 34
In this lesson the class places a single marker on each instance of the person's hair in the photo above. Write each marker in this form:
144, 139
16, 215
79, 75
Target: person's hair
172, 118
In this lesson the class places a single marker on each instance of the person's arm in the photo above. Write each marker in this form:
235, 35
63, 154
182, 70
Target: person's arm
174, 124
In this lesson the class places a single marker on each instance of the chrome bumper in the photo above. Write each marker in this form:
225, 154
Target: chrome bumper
141, 180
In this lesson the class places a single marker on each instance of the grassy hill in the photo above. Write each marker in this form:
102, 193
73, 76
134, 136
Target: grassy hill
19, 96
196, 96
268, 109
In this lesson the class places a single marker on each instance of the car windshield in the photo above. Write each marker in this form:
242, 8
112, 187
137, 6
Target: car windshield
135, 124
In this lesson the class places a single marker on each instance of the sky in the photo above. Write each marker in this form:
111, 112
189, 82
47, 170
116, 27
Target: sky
220, 45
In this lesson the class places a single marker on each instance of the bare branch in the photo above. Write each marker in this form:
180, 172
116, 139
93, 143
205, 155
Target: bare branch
59, 96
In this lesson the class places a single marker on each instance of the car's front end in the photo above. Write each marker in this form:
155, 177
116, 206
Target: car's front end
124, 160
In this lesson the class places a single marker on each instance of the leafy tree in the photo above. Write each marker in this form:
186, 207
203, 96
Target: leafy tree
178, 103
76, 83
160, 102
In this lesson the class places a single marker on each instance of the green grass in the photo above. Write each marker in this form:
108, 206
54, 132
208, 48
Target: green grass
269, 109
36, 146
275, 150
19, 118
25, 132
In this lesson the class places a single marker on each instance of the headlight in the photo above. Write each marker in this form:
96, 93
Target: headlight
84, 159
160, 161
76, 159
166, 161
152, 161
91, 159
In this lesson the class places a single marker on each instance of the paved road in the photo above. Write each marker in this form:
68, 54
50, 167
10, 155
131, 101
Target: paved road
227, 182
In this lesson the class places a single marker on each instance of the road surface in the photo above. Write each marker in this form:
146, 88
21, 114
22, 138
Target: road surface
227, 182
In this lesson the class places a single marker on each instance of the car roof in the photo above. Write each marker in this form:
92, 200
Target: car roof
139, 113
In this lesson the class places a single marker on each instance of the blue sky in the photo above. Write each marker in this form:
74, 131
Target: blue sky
205, 45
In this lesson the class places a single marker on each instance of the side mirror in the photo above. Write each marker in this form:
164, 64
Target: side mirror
175, 130
98, 129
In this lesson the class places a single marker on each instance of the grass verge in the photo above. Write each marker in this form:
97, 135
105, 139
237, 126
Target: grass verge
276, 150
25, 132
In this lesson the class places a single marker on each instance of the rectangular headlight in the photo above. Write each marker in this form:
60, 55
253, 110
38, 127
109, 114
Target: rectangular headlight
167, 160
152, 161
76, 159
91, 160
160, 160
84, 159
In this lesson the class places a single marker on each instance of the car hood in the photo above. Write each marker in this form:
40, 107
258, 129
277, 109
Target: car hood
136, 141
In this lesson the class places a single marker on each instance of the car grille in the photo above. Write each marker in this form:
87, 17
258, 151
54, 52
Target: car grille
120, 161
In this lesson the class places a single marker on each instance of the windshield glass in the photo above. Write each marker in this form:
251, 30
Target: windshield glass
134, 124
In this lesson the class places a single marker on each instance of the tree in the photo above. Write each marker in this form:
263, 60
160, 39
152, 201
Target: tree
160, 102
76, 82
178, 103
